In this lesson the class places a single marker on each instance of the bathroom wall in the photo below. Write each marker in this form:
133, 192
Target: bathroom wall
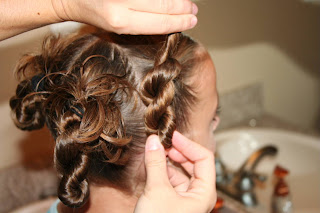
276, 43
17, 145
273, 43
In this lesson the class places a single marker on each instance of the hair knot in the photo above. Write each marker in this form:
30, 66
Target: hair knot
72, 164
37, 82
77, 109
158, 91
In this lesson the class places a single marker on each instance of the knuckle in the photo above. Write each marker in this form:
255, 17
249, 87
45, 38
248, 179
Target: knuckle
150, 190
117, 22
166, 5
187, 6
157, 191
166, 25
156, 163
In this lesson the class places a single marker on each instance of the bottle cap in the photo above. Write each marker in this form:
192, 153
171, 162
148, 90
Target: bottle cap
281, 188
280, 172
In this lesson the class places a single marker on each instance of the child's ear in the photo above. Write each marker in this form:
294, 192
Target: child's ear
216, 122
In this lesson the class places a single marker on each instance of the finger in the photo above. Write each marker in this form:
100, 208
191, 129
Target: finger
179, 181
155, 162
151, 23
176, 156
201, 157
165, 6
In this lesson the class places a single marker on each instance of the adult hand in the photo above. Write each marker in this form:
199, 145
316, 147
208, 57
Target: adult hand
119, 16
130, 16
168, 190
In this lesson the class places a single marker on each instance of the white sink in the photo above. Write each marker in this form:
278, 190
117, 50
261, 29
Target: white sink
298, 153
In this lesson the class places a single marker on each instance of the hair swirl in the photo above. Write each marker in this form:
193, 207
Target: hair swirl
27, 104
158, 91
72, 165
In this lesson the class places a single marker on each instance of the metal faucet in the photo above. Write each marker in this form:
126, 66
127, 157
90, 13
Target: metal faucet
240, 184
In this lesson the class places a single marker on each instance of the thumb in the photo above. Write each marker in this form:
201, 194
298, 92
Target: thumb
156, 163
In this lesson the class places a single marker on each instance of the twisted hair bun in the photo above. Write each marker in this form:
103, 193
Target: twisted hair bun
27, 108
26, 105
158, 91
72, 165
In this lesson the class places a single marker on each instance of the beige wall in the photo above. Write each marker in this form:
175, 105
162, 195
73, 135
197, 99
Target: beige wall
14, 142
289, 93
273, 42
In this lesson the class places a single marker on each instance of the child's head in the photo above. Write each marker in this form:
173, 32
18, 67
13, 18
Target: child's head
101, 94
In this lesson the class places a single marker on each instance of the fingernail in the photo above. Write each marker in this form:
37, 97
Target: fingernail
194, 21
153, 143
194, 9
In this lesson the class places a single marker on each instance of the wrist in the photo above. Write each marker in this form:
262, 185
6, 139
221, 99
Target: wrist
60, 10
73, 10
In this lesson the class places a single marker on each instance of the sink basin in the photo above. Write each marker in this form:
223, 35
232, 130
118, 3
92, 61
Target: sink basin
298, 153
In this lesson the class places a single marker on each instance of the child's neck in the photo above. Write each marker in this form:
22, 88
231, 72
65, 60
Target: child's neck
104, 199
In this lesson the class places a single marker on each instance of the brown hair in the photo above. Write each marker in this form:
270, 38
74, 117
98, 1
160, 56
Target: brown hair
101, 94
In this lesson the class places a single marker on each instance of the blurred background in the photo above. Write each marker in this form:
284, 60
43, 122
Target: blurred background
267, 57
272, 43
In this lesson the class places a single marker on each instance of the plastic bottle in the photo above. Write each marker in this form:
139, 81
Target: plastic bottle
281, 198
